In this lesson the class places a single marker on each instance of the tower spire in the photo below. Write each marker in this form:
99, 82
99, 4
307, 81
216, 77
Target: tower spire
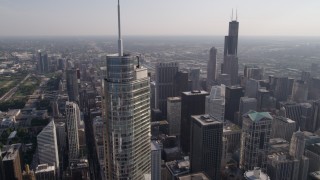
120, 46
236, 14
232, 15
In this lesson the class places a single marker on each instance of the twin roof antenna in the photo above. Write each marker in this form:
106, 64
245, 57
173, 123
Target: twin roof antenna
120, 46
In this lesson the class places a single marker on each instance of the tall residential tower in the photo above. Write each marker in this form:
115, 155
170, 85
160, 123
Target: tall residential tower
127, 116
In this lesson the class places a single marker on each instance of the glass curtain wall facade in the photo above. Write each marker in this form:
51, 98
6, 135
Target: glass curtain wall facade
127, 119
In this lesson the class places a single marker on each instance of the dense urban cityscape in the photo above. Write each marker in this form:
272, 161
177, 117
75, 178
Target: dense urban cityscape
160, 107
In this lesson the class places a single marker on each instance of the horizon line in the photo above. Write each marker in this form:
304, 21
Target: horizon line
156, 35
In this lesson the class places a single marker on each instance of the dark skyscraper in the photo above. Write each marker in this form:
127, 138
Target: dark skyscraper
230, 62
212, 68
165, 79
182, 82
280, 87
206, 145
43, 62
192, 103
11, 162
232, 95
72, 85
231, 41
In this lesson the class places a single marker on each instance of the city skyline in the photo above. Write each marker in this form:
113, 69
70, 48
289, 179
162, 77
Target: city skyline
81, 18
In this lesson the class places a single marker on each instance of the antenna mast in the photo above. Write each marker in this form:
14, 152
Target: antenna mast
236, 14
232, 15
120, 46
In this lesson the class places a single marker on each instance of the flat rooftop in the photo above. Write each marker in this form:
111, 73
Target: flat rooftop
174, 98
195, 176
10, 152
195, 93
206, 119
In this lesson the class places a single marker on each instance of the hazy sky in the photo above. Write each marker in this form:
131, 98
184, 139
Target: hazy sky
158, 17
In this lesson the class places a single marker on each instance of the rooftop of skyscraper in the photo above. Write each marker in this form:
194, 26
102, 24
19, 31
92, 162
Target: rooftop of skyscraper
258, 116
10, 152
179, 166
315, 175
194, 176
195, 92
206, 119
228, 126
44, 168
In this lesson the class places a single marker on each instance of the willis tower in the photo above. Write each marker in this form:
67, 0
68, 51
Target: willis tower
230, 62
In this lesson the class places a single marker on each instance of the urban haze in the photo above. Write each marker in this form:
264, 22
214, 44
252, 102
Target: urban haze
145, 90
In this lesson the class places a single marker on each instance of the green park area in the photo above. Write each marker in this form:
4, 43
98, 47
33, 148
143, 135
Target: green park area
27, 88
9, 81
20, 97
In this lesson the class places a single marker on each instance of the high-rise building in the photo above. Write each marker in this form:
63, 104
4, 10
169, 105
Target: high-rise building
206, 145
72, 119
153, 95
230, 62
48, 146
293, 111
11, 162
232, 95
231, 66
215, 102
174, 115
43, 62
256, 174
155, 161
283, 127
1, 167
194, 76
165, 84
300, 91
297, 145
40, 62
247, 104
79, 170
127, 116
231, 41
121, 94
313, 89
305, 76
265, 100
306, 115
182, 82
224, 79
212, 68
45, 172
72, 85
315, 123
297, 150
252, 87
282, 166
256, 131
253, 72
192, 103
280, 87
177, 168
232, 133
312, 152
61, 136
